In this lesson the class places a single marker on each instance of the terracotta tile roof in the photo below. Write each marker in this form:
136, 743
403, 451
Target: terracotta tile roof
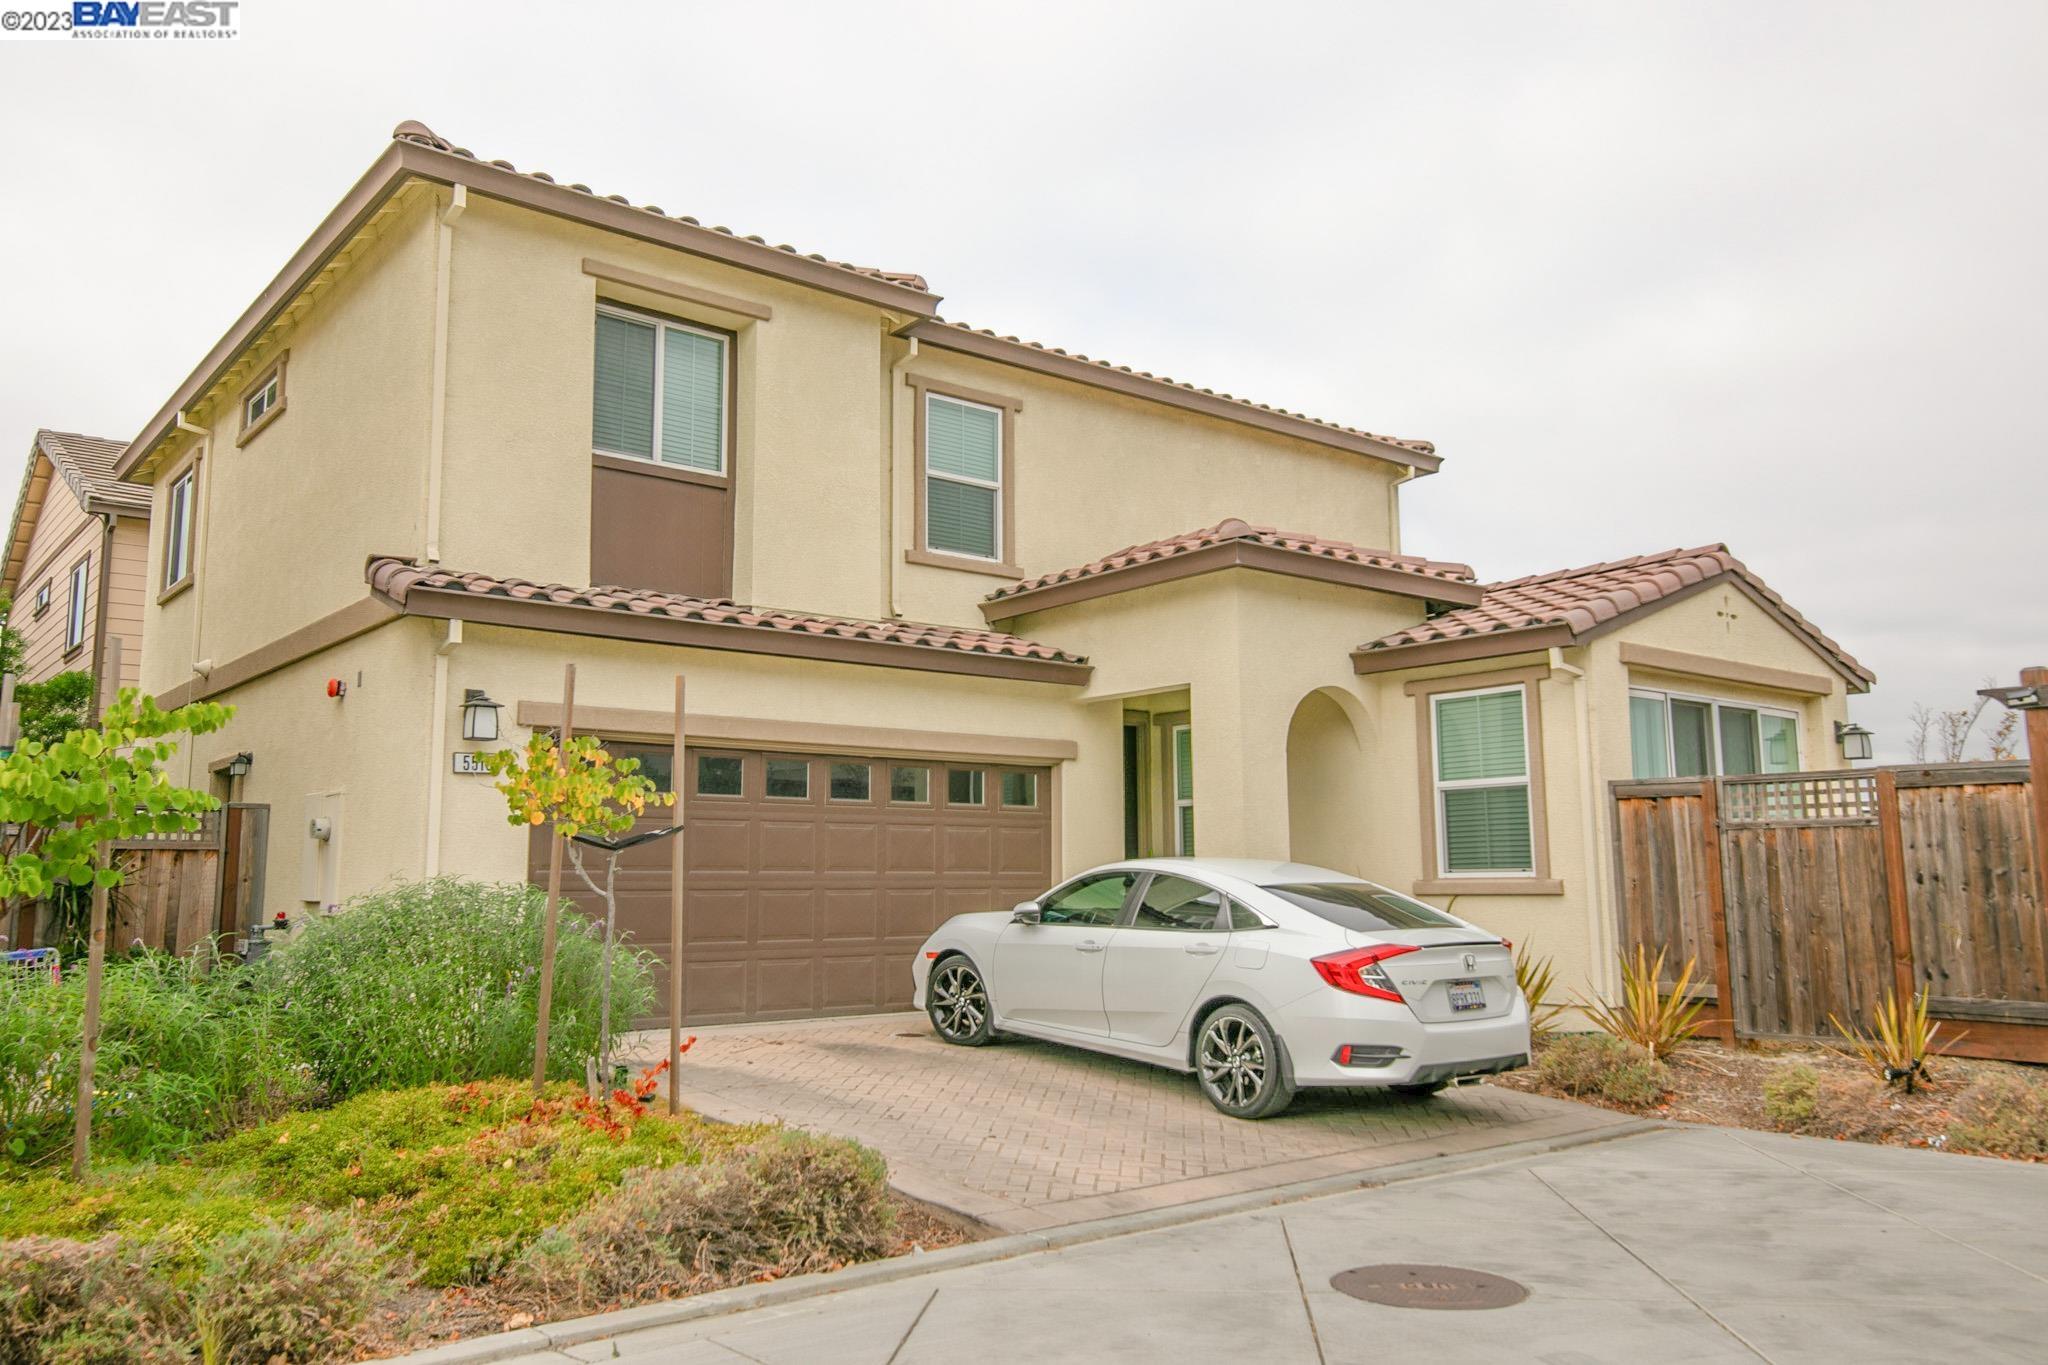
87, 464
414, 131
1579, 601
394, 578
1418, 447
1232, 529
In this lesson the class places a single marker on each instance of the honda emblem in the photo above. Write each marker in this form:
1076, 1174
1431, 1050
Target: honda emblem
1471, 961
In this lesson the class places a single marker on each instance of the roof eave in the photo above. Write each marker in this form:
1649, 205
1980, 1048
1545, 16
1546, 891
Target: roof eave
572, 618
1006, 352
1230, 554
404, 160
1459, 649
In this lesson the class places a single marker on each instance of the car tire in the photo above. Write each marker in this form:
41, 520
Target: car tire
1239, 1064
956, 1001
1422, 1091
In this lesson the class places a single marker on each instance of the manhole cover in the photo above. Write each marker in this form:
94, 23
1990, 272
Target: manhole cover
1427, 1286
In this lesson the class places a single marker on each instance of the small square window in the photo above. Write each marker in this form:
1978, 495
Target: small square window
1020, 790
964, 787
43, 598
849, 782
789, 778
911, 785
719, 777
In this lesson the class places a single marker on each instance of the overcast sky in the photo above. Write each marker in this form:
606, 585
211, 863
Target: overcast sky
1648, 274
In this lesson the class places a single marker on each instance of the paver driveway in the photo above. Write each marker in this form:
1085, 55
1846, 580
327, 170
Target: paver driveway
1024, 1135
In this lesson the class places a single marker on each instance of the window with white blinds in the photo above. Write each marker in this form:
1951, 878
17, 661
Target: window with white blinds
660, 392
1484, 822
963, 466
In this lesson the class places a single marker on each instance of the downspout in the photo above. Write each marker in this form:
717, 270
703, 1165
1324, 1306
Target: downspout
437, 775
1599, 921
437, 420
202, 493
1394, 509
889, 607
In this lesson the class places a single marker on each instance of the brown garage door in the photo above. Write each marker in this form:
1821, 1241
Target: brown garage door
812, 879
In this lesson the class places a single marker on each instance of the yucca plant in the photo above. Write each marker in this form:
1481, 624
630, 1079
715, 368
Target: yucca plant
1538, 979
1898, 1047
1655, 1022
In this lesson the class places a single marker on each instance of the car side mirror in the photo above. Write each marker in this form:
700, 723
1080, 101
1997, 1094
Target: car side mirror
1025, 912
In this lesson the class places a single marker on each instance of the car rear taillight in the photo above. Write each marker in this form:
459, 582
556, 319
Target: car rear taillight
1359, 970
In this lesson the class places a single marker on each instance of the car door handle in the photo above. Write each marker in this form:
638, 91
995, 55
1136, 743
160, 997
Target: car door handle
1202, 949
1087, 945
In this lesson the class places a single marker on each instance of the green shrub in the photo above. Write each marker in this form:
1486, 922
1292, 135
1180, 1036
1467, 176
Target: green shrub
790, 1204
289, 1291
187, 1050
87, 1303
2002, 1115
1792, 1097
437, 981
1599, 1066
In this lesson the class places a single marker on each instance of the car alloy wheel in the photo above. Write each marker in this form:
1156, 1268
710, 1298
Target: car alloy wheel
1239, 1065
959, 1003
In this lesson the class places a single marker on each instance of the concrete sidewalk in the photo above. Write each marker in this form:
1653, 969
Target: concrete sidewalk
1680, 1244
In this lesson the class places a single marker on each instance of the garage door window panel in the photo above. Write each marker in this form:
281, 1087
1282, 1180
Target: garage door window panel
910, 786
1019, 791
721, 775
966, 787
850, 781
789, 779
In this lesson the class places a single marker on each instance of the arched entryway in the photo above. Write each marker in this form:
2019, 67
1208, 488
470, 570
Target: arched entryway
1325, 783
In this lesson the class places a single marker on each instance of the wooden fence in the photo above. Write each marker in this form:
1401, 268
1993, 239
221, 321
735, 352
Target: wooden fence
181, 889
1809, 894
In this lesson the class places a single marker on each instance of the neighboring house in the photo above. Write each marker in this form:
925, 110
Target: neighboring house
484, 423
75, 561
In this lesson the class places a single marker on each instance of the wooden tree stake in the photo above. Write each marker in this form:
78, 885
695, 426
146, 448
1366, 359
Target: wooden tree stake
547, 933
675, 918
2037, 777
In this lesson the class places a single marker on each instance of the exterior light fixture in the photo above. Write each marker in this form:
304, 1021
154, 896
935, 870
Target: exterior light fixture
1854, 739
238, 766
2018, 698
479, 715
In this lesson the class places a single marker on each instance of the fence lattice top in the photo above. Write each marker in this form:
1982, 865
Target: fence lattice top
1811, 799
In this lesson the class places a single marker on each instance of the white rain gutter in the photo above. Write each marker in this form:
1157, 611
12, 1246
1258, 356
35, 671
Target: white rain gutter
889, 607
437, 730
437, 420
1599, 921
202, 492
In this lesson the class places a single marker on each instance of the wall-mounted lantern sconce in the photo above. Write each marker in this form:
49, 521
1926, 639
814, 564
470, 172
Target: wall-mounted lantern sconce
1854, 739
479, 715
239, 765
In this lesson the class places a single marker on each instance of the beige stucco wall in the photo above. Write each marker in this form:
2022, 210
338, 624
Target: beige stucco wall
287, 521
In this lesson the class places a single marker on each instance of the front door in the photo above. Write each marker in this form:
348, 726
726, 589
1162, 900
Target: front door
1051, 972
1159, 962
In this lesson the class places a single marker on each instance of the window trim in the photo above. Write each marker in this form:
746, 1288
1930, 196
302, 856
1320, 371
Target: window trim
179, 534
697, 792
653, 463
78, 589
1434, 881
865, 764
895, 800
1004, 564
979, 773
273, 373
46, 592
1714, 704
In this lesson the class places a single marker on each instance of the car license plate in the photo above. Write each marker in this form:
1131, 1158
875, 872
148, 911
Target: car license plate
1467, 995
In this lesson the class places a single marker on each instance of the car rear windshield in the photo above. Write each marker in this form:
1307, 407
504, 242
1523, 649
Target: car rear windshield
1363, 906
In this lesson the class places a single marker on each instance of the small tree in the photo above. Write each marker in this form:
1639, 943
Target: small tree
53, 708
62, 803
581, 789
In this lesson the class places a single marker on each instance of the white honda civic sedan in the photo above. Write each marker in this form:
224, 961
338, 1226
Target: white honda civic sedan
1262, 978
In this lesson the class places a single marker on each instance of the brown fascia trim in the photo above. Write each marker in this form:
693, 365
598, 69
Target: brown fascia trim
803, 736
569, 618
402, 161
337, 627
1022, 356
1487, 645
1232, 554
1725, 670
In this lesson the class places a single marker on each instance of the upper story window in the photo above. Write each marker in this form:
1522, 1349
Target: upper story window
660, 391
1483, 809
1678, 736
74, 608
43, 598
178, 529
963, 467
262, 402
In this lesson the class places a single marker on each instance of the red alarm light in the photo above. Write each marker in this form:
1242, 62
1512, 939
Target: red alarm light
336, 688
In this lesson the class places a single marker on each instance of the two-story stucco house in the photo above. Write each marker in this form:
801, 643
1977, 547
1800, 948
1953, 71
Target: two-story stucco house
75, 572
958, 613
